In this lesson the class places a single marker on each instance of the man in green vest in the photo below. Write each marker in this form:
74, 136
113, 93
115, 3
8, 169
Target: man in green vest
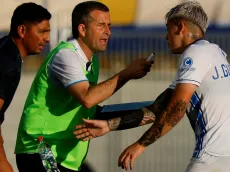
65, 91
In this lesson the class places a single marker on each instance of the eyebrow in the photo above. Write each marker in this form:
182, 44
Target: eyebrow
46, 30
102, 22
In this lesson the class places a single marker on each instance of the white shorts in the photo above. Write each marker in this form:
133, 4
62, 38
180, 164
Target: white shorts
209, 163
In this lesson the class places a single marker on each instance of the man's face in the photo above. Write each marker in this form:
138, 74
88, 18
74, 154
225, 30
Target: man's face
36, 37
98, 31
174, 37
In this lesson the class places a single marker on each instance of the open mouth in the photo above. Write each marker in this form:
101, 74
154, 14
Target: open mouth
104, 41
41, 47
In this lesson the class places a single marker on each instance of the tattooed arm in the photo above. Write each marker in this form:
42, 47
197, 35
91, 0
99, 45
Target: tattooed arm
111, 121
170, 115
142, 116
131, 120
121, 120
166, 119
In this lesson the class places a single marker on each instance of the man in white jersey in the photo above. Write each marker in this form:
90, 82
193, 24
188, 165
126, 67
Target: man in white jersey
201, 88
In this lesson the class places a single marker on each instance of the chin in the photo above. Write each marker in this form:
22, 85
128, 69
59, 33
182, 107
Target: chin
176, 51
102, 50
35, 52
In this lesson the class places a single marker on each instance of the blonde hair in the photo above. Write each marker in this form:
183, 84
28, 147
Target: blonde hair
191, 11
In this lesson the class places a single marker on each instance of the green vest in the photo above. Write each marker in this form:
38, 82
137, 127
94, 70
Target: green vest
52, 112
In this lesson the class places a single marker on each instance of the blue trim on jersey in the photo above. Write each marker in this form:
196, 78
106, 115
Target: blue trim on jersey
188, 80
200, 108
75, 83
196, 104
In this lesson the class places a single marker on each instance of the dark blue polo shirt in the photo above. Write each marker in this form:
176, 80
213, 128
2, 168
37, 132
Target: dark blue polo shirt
10, 72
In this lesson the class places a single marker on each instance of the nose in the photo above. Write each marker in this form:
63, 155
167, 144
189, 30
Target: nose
108, 31
47, 38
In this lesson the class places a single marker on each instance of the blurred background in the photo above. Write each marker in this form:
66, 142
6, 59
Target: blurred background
137, 30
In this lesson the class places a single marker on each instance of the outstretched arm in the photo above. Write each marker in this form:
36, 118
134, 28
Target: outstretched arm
90, 96
143, 116
121, 120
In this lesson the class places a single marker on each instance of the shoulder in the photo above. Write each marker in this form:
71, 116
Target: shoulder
198, 52
66, 52
200, 48
9, 53
7, 45
66, 55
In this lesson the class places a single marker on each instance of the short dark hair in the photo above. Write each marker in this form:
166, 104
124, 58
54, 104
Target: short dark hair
27, 13
81, 13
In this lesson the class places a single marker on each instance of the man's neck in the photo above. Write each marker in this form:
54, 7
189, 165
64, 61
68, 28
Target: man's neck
190, 42
88, 52
20, 47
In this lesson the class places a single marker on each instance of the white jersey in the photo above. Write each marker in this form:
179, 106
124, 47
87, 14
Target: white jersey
66, 67
205, 65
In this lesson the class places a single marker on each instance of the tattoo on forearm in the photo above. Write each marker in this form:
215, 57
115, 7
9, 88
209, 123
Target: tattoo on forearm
113, 123
176, 113
170, 117
161, 102
131, 119
148, 118
151, 135
150, 114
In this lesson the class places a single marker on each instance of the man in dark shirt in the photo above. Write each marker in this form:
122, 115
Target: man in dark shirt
29, 33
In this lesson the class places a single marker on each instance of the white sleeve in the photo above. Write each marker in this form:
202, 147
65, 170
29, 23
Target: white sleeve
67, 67
194, 64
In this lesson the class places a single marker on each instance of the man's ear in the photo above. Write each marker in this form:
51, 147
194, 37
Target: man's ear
82, 30
21, 31
180, 26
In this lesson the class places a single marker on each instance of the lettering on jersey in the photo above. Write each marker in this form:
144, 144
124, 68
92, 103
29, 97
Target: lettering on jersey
222, 72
